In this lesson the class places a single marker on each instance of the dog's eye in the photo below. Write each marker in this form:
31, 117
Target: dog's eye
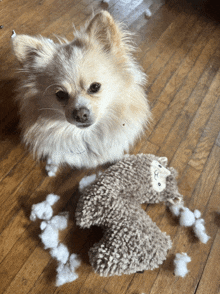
62, 96
94, 88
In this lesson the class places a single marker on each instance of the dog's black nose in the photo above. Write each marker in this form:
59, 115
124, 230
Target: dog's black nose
81, 115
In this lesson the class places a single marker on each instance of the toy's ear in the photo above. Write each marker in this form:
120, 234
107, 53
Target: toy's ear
27, 47
163, 160
103, 28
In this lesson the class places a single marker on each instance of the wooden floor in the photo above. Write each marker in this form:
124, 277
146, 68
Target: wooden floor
180, 52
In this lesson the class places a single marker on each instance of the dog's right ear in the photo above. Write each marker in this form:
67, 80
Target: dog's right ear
26, 48
105, 30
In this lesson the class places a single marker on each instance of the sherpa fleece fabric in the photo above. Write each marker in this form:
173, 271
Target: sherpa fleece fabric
132, 241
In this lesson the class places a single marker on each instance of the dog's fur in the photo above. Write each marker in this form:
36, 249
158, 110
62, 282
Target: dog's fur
118, 113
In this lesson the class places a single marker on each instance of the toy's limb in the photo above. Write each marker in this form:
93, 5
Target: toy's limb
90, 209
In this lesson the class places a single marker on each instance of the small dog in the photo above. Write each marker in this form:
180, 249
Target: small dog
82, 102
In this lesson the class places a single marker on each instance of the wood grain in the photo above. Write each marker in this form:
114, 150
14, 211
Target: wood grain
179, 51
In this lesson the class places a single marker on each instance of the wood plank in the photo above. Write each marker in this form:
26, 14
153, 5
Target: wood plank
196, 59
19, 173
207, 180
209, 282
194, 132
210, 278
157, 112
10, 160
207, 140
170, 58
218, 140
186, 115
14, 214
156, 58
165, 38
149, 34
175, 108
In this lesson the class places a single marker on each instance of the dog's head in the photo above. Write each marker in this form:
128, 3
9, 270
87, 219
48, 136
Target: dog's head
80, 79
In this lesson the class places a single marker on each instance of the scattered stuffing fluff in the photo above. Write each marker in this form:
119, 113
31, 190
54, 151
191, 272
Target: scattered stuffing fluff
199, 230
43, 210
13, 34
188, 218
61, 253
148, 13
132, 242
86, 181
66, 271
50, 167
180, 263
50, 227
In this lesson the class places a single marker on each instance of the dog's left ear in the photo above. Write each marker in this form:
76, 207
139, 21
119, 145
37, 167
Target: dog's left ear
164, 161
103, 28
26, 48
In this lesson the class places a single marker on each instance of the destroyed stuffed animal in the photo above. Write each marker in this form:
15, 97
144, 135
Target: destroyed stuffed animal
132, 242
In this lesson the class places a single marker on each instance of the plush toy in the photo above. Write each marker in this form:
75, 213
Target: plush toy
132, 242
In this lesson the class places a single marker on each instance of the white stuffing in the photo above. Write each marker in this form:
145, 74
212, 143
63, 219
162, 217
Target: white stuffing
180, 263
43, 210
148, 12
199, 230
50, 237
61, 253
66, 272
197, 213
187, 218
51, 170
13, 34
87, 180
60, 221
50, 234
51, 41
175, 209
52, 199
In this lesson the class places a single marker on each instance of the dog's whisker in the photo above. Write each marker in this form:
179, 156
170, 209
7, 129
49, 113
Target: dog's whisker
51, 109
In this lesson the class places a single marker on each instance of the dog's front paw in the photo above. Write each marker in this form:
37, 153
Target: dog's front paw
51, 168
